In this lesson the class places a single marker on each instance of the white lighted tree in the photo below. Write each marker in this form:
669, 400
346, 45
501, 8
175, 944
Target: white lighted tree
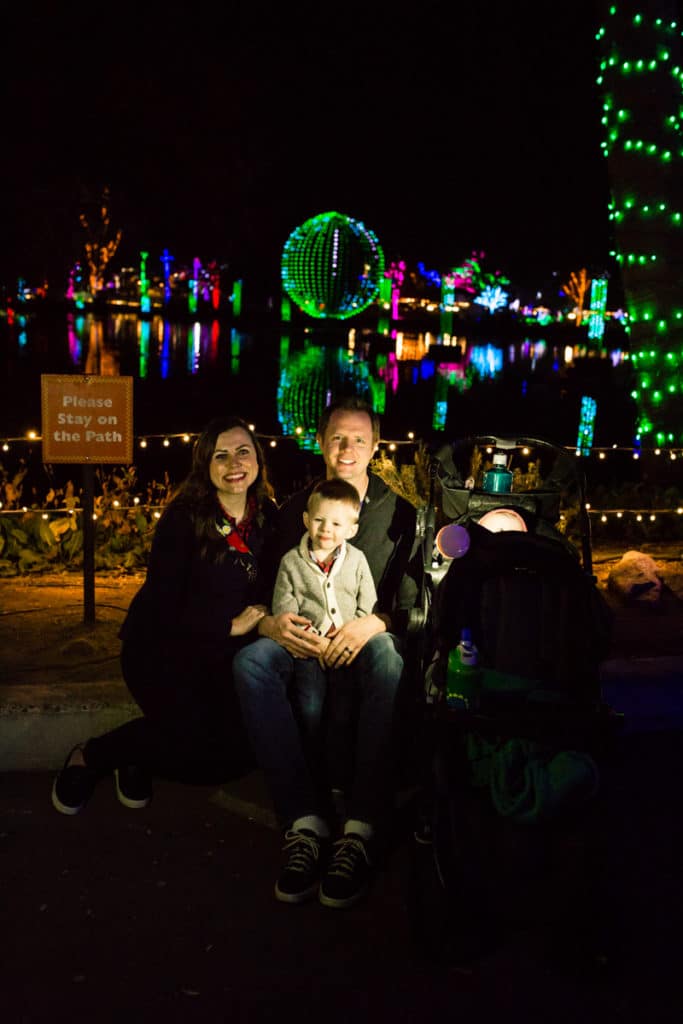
492, 297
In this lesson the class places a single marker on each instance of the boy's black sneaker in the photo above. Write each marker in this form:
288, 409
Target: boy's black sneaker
300, 875
73, 786
348, 874
133, 786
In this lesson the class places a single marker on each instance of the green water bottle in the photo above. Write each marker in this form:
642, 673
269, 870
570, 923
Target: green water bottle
463, 675
498, 479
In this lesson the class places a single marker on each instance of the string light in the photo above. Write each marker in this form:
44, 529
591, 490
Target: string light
640, 515
603, 452
603, 515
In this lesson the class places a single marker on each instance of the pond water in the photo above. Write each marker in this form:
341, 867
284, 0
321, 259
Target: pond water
280, 377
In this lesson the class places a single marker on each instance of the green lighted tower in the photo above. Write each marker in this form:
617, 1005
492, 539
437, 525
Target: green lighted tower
641, 81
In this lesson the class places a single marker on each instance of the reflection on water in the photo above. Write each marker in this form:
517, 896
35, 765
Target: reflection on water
419, 381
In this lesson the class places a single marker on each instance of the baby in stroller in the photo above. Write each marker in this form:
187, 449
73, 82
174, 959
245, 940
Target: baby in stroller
525, 748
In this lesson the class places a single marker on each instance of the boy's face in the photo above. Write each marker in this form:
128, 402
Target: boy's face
329, 523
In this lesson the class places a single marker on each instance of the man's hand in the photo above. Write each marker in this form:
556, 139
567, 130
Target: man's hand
344, 646
290, 631
247, 619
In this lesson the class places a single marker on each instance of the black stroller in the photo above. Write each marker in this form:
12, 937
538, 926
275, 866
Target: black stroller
513, 783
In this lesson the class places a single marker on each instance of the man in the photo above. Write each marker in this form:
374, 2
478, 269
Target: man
285, 724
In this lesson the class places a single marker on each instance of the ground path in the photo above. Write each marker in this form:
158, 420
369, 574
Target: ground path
43, 638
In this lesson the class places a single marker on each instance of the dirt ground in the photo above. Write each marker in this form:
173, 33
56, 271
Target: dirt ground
44, 639
43, 635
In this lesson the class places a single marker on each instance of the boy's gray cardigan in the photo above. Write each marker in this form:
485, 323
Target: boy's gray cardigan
346, 592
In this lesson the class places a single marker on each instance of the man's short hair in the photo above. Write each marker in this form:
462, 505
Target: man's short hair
349, 403
334, 490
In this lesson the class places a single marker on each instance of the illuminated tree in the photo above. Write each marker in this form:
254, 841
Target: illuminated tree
598, 304
100, 245
641, 84
468, 276
576, 288
471, 276
396, 273
492, 298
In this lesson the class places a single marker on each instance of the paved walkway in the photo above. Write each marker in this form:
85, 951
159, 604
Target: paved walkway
168, 913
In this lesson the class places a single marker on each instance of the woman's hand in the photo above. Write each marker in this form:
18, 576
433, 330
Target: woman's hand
247, 619
291, 632
344, 646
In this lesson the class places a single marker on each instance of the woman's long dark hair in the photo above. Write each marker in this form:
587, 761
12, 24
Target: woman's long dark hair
197, 494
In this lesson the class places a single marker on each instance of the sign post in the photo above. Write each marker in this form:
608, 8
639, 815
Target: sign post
87, 420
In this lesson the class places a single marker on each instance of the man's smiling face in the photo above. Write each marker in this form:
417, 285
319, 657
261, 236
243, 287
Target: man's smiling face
348, 446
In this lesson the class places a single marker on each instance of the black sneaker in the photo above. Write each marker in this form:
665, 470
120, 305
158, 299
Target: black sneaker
133, 786
348, 874
300, 875
73, 786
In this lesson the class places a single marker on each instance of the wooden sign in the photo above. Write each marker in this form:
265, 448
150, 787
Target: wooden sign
87, 419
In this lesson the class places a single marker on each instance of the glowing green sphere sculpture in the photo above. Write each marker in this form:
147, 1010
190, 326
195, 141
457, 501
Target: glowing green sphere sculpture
332, 266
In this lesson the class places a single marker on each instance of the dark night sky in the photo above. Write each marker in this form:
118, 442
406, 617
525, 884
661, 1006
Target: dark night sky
450, 128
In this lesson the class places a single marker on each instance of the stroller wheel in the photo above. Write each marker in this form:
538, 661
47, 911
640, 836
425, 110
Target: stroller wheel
447, 926
428, 909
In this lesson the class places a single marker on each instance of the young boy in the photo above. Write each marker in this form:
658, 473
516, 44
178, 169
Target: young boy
324, 579
329, 583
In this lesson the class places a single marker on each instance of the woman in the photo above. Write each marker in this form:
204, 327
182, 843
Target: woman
209, 572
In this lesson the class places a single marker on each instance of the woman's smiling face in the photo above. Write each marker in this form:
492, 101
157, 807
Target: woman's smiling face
234, 465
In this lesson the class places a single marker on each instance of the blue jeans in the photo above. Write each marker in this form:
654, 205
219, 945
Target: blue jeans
283, 701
